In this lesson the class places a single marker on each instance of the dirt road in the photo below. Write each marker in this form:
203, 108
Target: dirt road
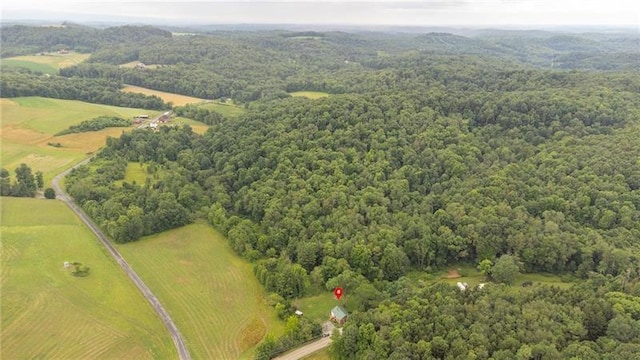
306, 350
183, 353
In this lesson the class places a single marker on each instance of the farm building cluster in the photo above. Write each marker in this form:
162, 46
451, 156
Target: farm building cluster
153, 124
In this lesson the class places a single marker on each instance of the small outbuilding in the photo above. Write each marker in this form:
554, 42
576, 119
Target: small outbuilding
339, 314
299, 313
462, 286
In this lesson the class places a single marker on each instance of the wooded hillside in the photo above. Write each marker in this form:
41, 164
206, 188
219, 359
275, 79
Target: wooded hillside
430, 151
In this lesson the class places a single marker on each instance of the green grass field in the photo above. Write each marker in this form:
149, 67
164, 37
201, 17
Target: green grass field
28, 125
318, 307
46, 313
48, 63
211, 293
225, 109
14, 63
135, 172
473, 277
310, 94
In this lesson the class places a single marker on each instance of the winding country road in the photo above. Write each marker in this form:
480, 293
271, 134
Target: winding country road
183, 353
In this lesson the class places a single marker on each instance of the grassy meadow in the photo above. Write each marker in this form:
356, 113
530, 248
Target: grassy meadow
28, 125
48, 63
46, 313
225, 109
473, 277
176, 99
211, 293
310, 94
318, 307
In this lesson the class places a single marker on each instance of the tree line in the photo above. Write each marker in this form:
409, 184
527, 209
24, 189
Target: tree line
96, 124
16, 83
26, 183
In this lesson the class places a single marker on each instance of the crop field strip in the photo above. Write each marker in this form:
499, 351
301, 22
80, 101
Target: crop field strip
176, 99
48, 63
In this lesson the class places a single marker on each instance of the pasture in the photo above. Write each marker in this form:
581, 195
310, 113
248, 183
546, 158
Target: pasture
228, 110
310, 94
210, 292
175, 99
46, 313
49, 63
28, 125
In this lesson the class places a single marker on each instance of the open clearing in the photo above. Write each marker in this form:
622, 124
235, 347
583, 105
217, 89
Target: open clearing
133, 64
318, 307
211, 293
48, 63
470, 275
175, 99
28, 125
226, 109
310, 94
48, 313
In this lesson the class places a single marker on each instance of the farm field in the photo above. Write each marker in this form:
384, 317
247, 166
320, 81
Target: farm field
47, 313
225, 109
176, 99
210, 292
28, 125
48, 63
310, 94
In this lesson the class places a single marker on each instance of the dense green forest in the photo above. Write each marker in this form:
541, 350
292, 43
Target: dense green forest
27, 40
517, 152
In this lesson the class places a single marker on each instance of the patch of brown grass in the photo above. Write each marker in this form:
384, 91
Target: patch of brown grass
452, 274
252, 334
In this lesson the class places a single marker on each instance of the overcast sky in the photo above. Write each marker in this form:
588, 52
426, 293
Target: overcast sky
357, 12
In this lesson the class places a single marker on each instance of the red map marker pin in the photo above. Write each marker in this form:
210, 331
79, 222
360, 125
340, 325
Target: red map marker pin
338, 292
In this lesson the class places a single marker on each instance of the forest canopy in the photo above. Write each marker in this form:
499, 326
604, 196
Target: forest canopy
513, 152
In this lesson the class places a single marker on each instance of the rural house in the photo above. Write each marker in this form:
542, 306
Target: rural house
339, 314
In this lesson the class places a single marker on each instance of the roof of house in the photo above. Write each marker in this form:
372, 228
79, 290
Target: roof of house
339, 312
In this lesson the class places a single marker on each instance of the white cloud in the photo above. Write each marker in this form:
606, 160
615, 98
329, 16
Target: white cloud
407, 12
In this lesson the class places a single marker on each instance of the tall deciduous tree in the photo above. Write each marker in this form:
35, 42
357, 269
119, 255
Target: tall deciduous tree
505, 270
25, 182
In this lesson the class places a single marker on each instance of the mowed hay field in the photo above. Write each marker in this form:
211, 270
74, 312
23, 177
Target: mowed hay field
46, 313
48, 63
210, 292
176, 99
28, 125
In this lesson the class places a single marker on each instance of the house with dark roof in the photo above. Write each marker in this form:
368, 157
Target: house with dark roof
339, 314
